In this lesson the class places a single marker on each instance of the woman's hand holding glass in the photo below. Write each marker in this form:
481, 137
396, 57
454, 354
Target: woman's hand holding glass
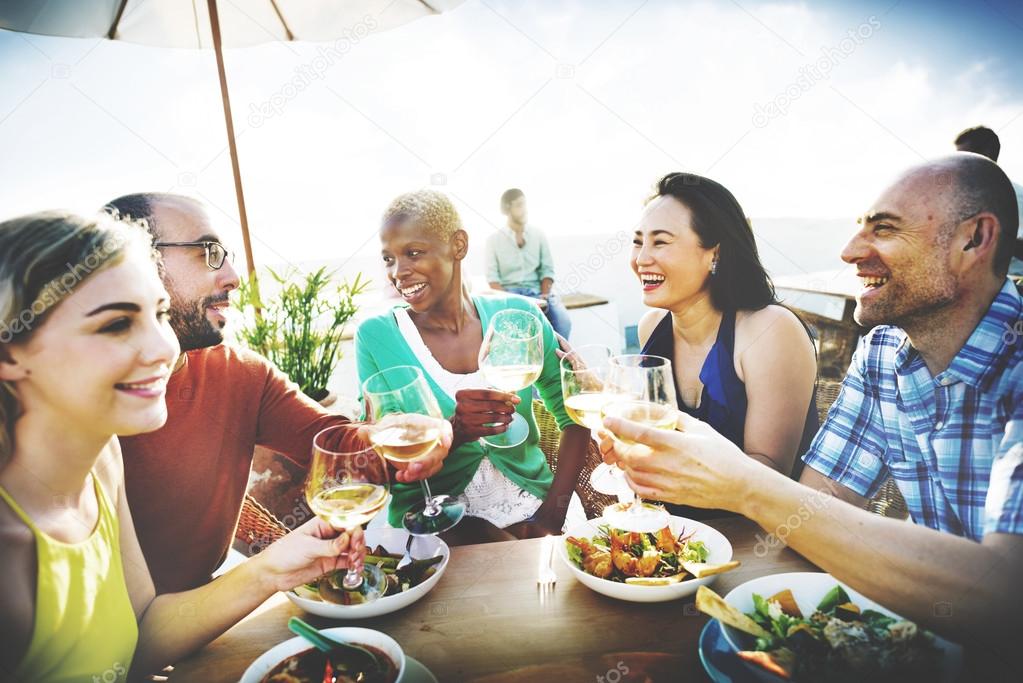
482, 412
309, 552
511, 359
346, 487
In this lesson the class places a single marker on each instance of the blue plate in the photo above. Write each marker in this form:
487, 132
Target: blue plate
719, 660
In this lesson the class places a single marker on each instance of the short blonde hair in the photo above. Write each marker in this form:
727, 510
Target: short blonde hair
432, 210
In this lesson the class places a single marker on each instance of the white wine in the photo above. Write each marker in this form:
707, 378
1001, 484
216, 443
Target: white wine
349, 505
404, 437
511, 378
407, 436
585, 409
656, 415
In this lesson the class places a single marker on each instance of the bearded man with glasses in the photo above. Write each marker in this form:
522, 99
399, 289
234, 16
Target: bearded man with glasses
186, 481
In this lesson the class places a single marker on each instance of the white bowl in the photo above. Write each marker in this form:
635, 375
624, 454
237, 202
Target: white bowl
394, 541
350, 634
808, 589
719, 547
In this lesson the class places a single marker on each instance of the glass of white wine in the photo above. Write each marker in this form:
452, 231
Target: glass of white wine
406, 425
643, 390
346, 487
584, 374
511, 359
583, 384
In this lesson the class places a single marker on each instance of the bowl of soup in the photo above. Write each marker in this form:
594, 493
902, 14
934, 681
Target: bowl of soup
296, 661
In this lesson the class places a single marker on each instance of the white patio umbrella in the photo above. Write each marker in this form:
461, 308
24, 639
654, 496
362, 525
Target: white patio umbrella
220, 24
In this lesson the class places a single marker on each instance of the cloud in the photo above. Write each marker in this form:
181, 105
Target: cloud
582, 106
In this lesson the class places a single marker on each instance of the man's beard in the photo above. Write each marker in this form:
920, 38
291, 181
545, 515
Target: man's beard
907, 307
193, 329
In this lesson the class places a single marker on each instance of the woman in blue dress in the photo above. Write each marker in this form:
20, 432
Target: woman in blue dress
743, 363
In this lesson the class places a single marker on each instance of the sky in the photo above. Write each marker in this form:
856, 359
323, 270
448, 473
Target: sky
803, 109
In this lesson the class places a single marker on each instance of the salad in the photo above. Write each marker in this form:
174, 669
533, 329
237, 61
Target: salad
328, 588
838, 643
652, 559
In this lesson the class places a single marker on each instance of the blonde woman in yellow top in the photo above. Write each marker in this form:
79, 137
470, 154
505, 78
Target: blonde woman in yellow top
85, 353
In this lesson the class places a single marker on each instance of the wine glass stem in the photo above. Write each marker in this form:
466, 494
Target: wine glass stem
353, 578
432, 509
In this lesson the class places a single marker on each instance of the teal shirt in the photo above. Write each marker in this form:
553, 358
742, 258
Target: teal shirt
379, 344
511, 266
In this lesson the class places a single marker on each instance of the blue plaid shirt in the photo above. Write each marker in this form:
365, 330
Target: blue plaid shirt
953, 443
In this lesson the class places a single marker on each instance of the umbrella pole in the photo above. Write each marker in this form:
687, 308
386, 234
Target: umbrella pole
232, 146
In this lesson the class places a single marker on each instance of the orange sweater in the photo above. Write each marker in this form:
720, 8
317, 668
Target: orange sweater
186, 481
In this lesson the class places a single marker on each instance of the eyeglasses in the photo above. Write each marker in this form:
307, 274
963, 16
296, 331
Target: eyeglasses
216, 253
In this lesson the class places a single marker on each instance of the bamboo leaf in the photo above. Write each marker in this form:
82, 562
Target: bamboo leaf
301, 327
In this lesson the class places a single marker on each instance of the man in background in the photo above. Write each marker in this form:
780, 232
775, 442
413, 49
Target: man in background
983, 140
519, 261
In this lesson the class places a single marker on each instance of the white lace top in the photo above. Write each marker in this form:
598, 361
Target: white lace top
490, 495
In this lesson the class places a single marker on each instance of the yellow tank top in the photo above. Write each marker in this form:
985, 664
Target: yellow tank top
84, 628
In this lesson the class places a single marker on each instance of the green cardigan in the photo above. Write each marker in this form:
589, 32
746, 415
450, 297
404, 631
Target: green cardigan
379, 344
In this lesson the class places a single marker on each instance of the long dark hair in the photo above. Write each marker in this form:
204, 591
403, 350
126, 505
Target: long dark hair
740, 281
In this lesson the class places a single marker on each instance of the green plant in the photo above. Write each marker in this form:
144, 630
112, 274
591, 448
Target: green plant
299, 328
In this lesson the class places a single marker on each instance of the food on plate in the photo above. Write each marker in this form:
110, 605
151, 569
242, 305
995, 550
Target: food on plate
838, 643
714, 606
702, 569
643, 559
328, 587
308, 667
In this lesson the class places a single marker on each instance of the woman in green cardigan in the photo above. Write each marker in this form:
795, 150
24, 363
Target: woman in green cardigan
509, 492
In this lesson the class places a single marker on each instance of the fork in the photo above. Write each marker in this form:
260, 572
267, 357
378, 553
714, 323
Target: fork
546, 578
407, 558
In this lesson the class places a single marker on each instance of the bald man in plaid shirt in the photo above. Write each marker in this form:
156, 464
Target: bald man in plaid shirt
933, 398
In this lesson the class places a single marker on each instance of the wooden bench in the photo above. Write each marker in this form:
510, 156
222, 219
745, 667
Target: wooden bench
579, 300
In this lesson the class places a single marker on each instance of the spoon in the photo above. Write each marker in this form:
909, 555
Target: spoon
355, 661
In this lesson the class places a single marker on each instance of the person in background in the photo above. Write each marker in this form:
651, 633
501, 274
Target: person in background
715, 316
519, 261
933, 398
86, 351
186, 481
983, 140
509, 492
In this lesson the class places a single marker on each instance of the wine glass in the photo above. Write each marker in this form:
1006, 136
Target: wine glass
583, 384
584, 373
407, 425
511, 359
643, 390
346, 487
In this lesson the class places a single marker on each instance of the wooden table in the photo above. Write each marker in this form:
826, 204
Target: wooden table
576, 300
485, 617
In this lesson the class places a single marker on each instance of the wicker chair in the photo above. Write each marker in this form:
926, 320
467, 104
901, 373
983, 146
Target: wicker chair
888, 500
827, 392
257, 527
550, 439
